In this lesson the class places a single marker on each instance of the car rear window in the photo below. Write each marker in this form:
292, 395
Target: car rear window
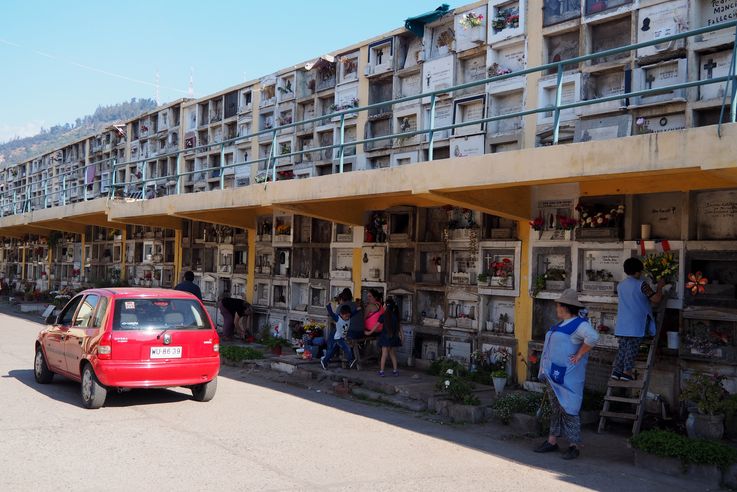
158, 314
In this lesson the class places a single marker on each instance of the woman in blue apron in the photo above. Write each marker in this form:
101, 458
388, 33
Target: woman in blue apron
563, 368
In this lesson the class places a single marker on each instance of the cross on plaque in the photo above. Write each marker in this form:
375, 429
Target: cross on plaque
488, 259
650, 79
709, 66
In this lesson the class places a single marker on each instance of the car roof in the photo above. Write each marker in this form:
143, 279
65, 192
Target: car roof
140, 292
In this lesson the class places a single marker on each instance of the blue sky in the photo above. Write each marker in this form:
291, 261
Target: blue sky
43, 44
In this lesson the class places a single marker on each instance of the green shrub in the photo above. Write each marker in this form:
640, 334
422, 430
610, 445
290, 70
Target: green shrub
441, 366
273, 342
457, 388
237, 354
689, 451
527, 403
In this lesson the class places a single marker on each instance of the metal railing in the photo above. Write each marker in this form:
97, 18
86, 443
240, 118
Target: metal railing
143, 186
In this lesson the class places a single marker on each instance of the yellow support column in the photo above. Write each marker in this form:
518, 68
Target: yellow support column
123, 254
177, 255
357, 265
523, 306
50, 266
23, 261
83, 262
251, 271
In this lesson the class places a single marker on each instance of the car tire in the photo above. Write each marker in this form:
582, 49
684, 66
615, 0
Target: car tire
41, 370
93, 393
205, 391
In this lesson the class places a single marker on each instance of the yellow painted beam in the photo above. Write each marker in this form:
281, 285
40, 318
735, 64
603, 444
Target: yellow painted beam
242, 218
524, 303
511, 203
251, 268
62, 226
162, 221
345, 213
683, 180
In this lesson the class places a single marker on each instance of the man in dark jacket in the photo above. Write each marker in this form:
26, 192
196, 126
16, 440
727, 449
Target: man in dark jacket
189, 286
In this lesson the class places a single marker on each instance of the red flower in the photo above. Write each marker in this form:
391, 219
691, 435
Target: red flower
696, 283
533, 359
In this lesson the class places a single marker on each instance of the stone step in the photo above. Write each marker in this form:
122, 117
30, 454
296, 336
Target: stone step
398, 401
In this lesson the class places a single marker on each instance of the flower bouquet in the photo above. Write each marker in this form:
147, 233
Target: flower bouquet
470, 20
661, 266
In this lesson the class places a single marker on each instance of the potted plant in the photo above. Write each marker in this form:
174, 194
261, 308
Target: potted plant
483, 278
499, 378
275, 344
706, 417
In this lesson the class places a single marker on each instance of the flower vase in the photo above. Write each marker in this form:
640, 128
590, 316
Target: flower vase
700, 426
567, 234
499, 384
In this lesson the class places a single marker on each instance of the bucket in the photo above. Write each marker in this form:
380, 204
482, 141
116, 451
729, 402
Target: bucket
673, 340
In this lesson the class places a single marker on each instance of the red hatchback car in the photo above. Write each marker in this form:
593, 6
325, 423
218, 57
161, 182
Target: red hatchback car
130, 338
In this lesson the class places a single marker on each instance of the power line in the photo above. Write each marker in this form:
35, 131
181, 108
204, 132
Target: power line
87, 67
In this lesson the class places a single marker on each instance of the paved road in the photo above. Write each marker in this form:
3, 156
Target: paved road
256, 435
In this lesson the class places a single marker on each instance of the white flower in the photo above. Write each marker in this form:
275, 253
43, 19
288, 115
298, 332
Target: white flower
600, 220
449, 371
447, 383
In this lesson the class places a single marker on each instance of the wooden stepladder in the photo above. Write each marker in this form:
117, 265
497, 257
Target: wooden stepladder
634, 393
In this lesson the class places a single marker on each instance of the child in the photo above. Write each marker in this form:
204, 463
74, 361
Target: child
342, 320
391, 335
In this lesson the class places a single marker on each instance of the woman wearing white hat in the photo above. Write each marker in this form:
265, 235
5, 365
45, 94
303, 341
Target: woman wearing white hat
563, 368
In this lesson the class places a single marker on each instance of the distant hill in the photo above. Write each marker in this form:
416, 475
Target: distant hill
20, 149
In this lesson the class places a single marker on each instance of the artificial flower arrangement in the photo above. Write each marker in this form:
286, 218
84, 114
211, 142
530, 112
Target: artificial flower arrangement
506, 18
471, 19
567, 223
283, 229
696, 283
496, 69
661, 266
503, 268
537, 223
594, 217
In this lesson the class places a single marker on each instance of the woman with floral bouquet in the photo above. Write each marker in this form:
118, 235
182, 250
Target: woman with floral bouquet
634, 316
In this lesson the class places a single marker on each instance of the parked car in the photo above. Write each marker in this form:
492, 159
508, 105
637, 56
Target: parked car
130, 338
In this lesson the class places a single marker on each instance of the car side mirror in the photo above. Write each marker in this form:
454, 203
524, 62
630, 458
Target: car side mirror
51, 319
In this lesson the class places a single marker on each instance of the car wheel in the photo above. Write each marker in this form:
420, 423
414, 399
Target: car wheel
205, 391
93, 393
40, 369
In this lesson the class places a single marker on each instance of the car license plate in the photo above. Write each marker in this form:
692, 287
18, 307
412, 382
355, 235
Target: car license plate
166, 352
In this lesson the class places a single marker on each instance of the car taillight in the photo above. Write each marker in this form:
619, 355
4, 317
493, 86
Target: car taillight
216, 347
105, 348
